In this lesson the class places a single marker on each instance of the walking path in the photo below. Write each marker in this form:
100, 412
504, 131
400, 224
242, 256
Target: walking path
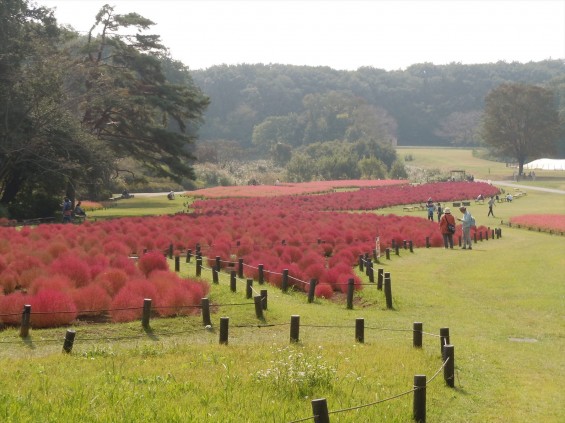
516, 185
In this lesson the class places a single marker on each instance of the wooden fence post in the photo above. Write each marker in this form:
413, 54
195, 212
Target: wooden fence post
264, 294
411, 244
419, 398
233, 281
294, 328
261, 275
443, 340
215, 275
26, 317
205, 303
249, 288
146, 313
224, 330
371, 272
284, 283
449, 369
360, 330
258, 307
320, 411
240, 268
198, 266
387, 253
380, 278
188, 255
170, 252
388, 290
350, 288
360, 260
312, 290
218, 262
177, 264
69, 341
417, 334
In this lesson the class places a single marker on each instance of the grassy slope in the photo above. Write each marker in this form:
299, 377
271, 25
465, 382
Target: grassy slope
493, 299
446, 159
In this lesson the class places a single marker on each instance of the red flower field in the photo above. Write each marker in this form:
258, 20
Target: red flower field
65, 271
545, 222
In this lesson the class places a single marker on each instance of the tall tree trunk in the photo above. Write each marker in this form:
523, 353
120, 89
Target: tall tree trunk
11, 188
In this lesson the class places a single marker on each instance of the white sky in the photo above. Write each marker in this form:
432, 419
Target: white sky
342, 34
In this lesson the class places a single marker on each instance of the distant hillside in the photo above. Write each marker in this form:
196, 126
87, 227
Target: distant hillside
424, 105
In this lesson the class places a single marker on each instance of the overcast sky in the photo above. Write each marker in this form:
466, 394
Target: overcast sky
342, 34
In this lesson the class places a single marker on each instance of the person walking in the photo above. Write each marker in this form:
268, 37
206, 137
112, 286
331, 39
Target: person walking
431, 208
447, 228
467, 222
67, 210
439, 211
490, 206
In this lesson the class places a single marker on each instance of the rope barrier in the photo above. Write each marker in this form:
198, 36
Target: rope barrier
378, 401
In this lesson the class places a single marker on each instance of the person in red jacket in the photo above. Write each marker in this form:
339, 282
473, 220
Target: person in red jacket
447, 227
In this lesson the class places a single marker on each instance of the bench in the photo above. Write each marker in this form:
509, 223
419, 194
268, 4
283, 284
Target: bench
466, 203
408, 208
456, 204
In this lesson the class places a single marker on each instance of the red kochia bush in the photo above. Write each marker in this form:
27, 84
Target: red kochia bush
91, 300
152, 261
324, 290
52, 308
127, 305
74, 268
11, 307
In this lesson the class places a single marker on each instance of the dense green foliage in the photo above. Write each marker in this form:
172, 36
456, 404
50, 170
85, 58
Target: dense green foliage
521, 121
72, 106
425, 104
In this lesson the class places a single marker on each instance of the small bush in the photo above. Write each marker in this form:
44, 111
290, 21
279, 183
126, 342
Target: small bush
91, 300
51, 309
74, 268
324, 290
152, 261
11, 307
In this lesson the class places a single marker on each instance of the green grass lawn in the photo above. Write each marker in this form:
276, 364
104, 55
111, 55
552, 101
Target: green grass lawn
504, 303
447, 159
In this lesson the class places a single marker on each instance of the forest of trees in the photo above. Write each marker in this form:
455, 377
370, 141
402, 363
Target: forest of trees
75, 108
425, 105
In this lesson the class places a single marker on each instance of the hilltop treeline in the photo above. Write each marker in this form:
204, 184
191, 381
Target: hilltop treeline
259, 106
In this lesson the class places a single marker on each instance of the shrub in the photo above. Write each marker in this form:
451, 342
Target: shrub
91, 300
8, 281
55, 282
112, 280
11, 307
324, 290
74, 268
51, 308
152, 261
127, 305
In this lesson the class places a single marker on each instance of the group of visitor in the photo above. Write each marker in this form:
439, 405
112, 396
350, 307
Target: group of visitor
447, 228
70, 212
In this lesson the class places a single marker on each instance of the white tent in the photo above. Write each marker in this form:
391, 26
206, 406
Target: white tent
546, 164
